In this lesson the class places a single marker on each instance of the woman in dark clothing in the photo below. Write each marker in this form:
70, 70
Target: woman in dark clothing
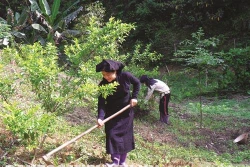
163, 89
119, 130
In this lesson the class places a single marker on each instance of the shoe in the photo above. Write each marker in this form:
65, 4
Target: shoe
168, 123
123, 165
165, 122
111, 164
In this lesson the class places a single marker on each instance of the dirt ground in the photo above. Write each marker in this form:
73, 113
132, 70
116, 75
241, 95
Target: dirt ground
214, 141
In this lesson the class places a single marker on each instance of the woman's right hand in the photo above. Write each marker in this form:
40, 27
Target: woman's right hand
100, 123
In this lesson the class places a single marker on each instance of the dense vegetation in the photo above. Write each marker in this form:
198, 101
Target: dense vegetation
49, 49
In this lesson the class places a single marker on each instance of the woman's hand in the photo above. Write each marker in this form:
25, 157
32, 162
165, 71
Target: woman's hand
100, 123
133, 102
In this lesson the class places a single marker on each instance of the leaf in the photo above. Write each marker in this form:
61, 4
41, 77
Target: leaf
19, 34
55, 9
5, 41
3, 21
17, 17
72, 15
41, 40
70, 32
46, 7
23, 17
67, 10
38, 27
34, 6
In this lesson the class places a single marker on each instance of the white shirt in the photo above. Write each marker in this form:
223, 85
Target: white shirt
159, 86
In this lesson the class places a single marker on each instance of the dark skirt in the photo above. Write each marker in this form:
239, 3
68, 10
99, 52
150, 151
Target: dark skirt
119, 133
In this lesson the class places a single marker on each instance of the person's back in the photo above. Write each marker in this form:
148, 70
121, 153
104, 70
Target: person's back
163, 89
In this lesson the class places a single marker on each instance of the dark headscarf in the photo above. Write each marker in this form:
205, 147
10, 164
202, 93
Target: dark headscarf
148, 81
109, 65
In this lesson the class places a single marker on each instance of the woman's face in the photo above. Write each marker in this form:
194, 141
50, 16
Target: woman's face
109, 76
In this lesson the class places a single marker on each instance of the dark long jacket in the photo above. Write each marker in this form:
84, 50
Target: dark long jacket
119, 130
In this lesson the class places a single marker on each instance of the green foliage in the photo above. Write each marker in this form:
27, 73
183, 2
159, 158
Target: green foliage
227, 107
239, 23
39, 22
236, 72
179, 92
141, 62
190, 143
144, 58
54, 20
5, 33
101, 42
180, 19
7, 86
109, 89
17, 23
95, 10
138, 71
197, 52
59, 91
28, 125
220, 115
40, 63
55, 90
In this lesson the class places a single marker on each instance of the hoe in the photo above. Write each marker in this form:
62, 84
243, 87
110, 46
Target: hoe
48, 155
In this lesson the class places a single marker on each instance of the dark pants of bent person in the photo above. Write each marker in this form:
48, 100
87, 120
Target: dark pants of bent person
163, 107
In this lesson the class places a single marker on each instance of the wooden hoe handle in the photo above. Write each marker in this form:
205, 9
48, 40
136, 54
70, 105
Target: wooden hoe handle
48, 155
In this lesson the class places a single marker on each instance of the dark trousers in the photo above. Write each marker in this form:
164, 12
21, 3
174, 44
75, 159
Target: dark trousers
163, 107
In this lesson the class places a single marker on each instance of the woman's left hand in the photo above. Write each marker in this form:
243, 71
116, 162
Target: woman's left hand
133, 102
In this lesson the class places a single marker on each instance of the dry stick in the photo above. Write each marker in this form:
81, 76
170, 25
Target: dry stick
47, 156
4, 155
23, 161
7, 152
167, 69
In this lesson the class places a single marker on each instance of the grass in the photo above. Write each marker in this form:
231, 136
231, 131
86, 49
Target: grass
222, 118
192, 140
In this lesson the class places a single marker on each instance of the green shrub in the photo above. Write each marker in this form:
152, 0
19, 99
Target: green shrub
27, 125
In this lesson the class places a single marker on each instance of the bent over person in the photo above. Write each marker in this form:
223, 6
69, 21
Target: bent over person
163, 89
119, 130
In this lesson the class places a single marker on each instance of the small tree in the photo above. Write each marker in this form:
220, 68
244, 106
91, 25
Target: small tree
197, 54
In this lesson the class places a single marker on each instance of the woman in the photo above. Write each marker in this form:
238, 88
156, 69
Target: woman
163, 89
119, 130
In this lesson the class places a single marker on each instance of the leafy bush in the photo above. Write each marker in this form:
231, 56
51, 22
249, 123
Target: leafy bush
143, 57
236, 71
28, 125
56, 91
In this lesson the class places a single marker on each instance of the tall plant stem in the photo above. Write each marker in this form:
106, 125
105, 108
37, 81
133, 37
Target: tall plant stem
200, 107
